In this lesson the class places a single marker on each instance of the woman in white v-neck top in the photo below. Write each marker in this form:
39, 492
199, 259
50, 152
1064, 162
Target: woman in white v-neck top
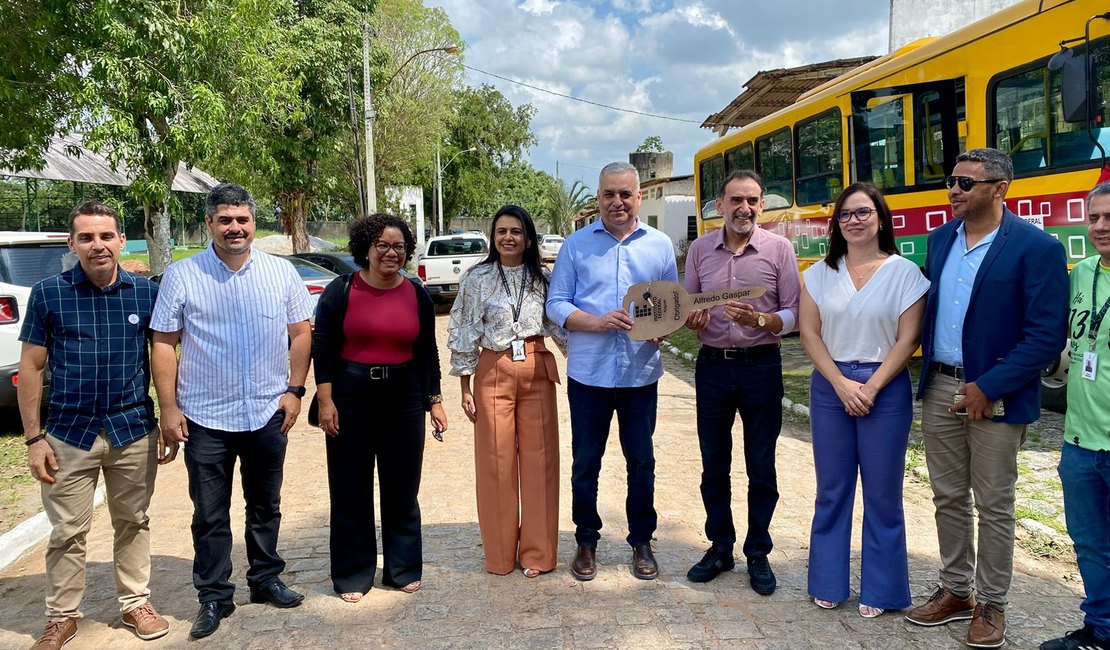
860, 319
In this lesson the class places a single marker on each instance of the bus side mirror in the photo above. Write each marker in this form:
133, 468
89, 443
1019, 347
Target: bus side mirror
1073, 83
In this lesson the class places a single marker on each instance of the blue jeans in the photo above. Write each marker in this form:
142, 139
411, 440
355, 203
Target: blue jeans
210, 458
591, 412
1085, 475
874, 446
754, 388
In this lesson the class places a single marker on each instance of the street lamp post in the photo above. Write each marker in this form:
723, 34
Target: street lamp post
439, 185
368, 108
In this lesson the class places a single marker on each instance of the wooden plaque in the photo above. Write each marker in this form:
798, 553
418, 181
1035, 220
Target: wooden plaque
661, 307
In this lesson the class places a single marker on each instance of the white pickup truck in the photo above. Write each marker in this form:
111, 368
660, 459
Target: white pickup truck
445, 259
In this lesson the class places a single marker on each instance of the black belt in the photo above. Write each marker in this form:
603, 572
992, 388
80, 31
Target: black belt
739, 354
956, 372
375, 371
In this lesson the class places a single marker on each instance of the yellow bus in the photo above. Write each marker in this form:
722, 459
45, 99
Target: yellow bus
1014, 81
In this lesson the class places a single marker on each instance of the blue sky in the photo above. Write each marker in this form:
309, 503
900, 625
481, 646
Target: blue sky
679, 58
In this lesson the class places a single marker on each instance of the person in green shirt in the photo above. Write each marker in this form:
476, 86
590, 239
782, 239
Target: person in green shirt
1085, 459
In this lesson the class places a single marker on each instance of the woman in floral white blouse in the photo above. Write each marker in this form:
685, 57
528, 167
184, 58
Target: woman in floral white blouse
497, 335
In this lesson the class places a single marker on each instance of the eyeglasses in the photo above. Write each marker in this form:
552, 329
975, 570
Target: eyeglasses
966, 182
861, 214
383, 248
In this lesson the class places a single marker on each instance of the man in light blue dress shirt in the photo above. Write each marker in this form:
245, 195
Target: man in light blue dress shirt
241, 317
607, 371
996, 315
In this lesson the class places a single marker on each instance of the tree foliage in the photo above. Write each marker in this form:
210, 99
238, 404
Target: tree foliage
563, 203
651, 144
151, 84
500, 135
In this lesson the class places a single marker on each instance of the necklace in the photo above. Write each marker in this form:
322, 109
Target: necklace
868, 269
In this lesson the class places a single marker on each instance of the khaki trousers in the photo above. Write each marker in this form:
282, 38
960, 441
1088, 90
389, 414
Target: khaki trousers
129, 481
971, 462
516, 456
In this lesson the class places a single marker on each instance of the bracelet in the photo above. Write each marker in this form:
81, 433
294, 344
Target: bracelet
31, 441
435, 399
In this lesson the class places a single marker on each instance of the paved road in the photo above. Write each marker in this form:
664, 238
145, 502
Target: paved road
461, 606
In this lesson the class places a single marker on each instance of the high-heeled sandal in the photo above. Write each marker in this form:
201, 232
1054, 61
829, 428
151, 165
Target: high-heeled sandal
825, 604
351, 597
412, 587
530, 573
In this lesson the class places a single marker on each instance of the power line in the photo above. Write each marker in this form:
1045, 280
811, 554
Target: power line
579, 99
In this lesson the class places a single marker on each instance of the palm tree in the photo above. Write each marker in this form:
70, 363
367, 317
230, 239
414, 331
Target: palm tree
562, 204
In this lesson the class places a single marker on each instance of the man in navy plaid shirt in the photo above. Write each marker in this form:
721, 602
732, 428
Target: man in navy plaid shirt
90, 323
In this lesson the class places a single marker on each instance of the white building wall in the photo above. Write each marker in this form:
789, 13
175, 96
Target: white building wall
669, 206
914, 19
407, 202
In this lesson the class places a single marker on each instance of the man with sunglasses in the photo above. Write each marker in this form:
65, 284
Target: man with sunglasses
996, 315
739, 369
241, 317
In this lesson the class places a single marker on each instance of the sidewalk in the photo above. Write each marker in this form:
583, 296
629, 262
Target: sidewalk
462, 606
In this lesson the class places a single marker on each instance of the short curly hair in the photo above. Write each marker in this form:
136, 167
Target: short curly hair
365, 231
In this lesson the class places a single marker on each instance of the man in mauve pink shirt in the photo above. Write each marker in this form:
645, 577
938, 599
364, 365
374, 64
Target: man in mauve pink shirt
739, 368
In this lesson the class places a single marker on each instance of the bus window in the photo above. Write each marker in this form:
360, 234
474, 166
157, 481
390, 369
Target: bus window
820, 159
776, 166
883, 125
712, 176
742, 157
929, 138
1030, 126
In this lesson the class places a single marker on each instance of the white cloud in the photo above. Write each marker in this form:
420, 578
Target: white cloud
681, 58
539, 7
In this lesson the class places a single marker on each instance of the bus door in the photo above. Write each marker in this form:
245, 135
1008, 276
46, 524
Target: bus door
903, 138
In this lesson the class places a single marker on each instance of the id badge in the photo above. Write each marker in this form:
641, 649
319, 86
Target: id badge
518, 350
1090, 365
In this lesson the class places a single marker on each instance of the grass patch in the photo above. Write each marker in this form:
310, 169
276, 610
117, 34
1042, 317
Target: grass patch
17, 488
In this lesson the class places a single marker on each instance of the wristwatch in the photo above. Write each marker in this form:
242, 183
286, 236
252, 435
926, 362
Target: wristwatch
435, 399
762, 320
298, 391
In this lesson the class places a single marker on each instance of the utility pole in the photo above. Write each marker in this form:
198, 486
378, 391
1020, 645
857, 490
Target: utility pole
368, 116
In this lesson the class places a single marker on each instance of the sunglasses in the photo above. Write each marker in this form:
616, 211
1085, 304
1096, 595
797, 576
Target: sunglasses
966, 182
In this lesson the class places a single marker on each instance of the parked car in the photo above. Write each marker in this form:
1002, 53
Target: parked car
25, 258
341, 262
446, 259
550, 246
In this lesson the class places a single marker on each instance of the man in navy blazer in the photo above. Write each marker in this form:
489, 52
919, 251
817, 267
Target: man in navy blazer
995, 317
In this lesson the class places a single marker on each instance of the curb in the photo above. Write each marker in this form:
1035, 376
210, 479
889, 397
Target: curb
31, 532
787, 404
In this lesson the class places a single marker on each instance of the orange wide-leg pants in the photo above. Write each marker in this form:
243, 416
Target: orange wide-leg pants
516, 456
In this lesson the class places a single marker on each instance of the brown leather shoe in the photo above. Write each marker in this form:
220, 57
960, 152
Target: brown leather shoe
942, 607
988, 626
584, 566
643, 562
146, 622
56, 634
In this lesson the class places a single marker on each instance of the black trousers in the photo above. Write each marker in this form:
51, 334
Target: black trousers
381, 421
210, 458
754, 388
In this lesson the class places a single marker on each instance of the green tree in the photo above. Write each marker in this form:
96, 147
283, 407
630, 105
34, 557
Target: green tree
651, 144
521, 184
564, 203
500, 134
302, 149
151, 84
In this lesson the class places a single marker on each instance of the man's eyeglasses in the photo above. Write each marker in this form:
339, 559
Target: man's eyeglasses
384, 248
861, 214
966, 182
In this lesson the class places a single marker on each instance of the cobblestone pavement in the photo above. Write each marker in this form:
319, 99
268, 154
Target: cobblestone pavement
461, 606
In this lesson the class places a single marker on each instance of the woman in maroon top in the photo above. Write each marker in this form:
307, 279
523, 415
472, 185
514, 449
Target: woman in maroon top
377, 373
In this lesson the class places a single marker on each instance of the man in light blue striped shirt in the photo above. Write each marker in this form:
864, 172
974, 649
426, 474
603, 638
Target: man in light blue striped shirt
241, 317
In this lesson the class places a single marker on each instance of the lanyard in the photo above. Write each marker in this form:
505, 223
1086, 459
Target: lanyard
1096, 319
508, 291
